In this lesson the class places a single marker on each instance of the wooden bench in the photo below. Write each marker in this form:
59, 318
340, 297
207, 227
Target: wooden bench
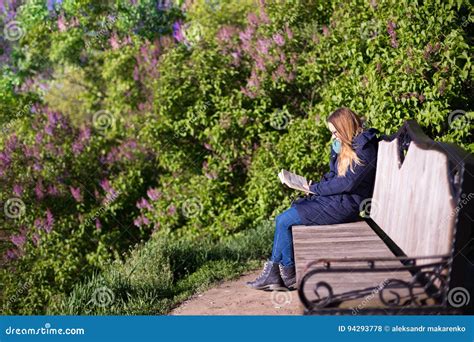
414, 253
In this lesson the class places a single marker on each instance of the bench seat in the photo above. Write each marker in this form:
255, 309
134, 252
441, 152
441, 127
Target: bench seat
348, 240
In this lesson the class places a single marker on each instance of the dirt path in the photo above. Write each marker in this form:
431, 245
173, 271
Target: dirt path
234, 298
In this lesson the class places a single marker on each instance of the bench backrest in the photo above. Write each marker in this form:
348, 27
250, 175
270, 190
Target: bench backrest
417, 191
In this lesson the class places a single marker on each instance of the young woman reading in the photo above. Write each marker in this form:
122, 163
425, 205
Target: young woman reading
337, 196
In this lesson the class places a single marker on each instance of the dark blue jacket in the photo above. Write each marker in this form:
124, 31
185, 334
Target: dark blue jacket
337, 199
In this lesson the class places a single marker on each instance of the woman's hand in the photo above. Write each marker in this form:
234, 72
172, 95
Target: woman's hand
307, 187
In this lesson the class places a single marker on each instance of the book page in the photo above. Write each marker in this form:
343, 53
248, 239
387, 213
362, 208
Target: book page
293, 181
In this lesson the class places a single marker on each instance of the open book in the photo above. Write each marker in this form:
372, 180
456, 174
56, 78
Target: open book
293, 181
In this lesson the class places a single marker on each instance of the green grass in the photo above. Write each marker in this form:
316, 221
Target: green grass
162, 273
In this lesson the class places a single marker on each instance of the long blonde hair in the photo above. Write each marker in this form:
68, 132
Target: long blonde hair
348, 125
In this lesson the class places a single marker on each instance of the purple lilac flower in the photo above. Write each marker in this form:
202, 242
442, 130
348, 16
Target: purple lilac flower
18, 190
278, 39
28, 151
98, 224
172, 210
252, 18
53, 190
5, 158
11, 254
263, 45
50, 5
77, 148
264, 17
143, 203
247, 92
104, 183
236, 58
36, 239
260, 63
153, 194
76, 193
39, 190
178, 31
127, 40
136, 73
138, 221
84, 134
53, 118
12, 142
49, 221
49, 129
280, 71
253, 81
393, 35
110, 197
112, 156
37, 167
50, 147
289, 32
325, 31
225, 33
18, 240
62, 25
211, 175
442, 87
245, 37
114, 42
156, 227
39, 223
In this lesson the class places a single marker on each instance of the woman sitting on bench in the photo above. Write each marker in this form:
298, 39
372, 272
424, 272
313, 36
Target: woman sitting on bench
337, 196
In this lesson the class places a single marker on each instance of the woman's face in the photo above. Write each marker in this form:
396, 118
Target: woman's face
333, 131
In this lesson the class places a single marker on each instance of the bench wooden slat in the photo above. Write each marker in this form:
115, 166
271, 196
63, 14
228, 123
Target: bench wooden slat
412, 202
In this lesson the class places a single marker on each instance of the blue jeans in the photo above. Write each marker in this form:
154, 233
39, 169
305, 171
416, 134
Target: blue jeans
283, 240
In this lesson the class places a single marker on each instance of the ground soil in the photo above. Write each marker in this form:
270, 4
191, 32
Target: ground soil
234, 298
